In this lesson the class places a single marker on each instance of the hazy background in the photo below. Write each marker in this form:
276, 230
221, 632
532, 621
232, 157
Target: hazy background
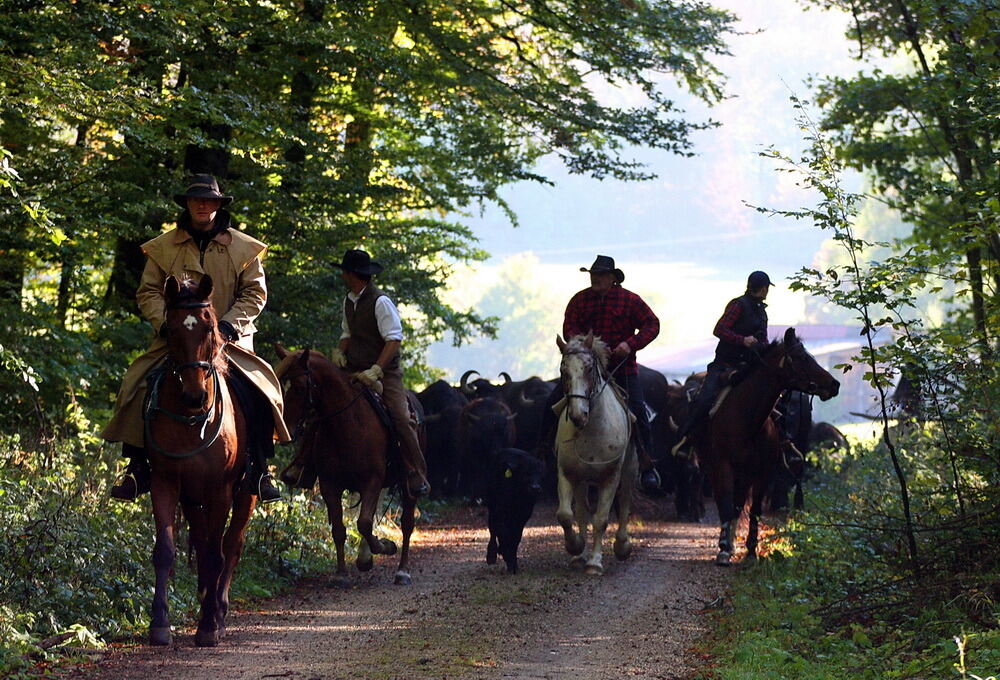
686, 240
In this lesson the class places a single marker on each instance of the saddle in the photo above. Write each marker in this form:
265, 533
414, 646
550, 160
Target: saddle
394, 462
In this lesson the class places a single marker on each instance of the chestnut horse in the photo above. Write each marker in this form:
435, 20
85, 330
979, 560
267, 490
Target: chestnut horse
196, 437
349, 449
740, 446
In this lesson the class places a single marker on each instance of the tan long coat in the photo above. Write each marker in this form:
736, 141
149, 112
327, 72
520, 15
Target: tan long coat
233, 260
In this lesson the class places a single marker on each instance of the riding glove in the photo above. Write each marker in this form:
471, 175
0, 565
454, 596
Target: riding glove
338, 358
371, 377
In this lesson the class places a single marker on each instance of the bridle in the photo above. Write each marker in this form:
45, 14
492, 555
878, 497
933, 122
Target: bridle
596, 375
152, 406
310, 411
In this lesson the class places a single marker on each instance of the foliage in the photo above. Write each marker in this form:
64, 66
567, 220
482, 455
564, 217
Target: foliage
71, 559
927, 135
829, 601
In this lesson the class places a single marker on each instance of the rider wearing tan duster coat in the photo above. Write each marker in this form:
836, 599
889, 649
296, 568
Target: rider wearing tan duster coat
233, 260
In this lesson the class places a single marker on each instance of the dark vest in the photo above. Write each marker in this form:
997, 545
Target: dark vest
752, 321
366, 341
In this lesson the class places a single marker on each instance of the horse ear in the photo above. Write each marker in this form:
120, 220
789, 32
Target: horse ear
790, 336
171, 288
304, 359
560, 343
280, 350
588, 341
205, 287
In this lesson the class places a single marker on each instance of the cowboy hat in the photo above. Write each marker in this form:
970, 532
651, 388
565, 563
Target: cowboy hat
604, 264
202, 186
358, 262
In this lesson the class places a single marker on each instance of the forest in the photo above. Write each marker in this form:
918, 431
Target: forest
381, 125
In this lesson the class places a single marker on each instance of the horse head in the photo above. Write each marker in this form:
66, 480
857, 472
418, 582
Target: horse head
800, 371
585, 358
193, 339
297, 385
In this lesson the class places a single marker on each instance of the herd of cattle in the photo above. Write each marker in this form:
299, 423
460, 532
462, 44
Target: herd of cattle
479, 432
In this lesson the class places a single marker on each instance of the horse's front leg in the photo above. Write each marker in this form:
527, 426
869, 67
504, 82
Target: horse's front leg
623, 501
210, 566
408, 521
333, 496
605, 497
574, 543
722, 489
164, 552
755, 509
371, 545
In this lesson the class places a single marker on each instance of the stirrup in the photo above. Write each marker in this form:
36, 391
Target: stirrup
676, 450
261, 498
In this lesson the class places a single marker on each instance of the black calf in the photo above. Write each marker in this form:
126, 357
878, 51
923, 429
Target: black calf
514, 483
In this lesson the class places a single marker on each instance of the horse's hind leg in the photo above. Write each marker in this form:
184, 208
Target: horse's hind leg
210, 566
366, 524
164, 551
574, 542
408, 521
232, 549
333, 497
755, 509
623, 501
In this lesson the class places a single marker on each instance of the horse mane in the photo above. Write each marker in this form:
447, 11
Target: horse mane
292, 357
187, 292
598, 347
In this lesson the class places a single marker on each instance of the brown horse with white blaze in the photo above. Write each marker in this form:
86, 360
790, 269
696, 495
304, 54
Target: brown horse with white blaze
739, 443
348, 445
196, 437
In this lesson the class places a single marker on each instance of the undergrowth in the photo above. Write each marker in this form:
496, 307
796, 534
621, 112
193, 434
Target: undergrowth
833, 596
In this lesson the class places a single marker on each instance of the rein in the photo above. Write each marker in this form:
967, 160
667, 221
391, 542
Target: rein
310, 413
153, 409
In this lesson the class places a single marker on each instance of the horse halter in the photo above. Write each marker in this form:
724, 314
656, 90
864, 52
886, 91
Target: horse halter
595, 376
309, 415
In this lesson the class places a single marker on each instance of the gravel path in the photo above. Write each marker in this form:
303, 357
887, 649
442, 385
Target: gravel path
462, 618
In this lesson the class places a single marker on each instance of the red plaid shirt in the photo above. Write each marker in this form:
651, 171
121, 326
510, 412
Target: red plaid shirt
724, 327
616, 316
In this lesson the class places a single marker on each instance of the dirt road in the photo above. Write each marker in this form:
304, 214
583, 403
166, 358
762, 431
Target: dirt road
462, 618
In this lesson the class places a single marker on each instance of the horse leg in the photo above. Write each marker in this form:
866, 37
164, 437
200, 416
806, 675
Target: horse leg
755, 510
492, 524
333, 496
623, 500
605, 497
722, 487
232, 550
582, 514
164, 511
740, 501
574, 543
366, 524
210, 565
407, 521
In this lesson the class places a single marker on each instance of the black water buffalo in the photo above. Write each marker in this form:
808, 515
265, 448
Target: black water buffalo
526, 399
486, 426
513, 484
443, 406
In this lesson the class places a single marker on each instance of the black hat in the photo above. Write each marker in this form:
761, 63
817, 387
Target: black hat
604, 264
202, 186
758, 280
359, 262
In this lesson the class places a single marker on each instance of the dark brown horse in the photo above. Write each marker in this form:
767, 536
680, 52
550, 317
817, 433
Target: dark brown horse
341, 432
196, 438
740, 446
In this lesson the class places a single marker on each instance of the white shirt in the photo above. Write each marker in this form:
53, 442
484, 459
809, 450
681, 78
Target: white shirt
386, 315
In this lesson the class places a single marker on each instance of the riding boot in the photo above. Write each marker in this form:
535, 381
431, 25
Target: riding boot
649, 478
257, 480
137, 478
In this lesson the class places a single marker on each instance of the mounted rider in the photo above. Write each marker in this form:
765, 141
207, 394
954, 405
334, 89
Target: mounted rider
371, 335
626, 324
204, 242
741, 329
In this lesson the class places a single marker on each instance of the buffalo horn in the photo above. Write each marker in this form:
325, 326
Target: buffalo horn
463, 383
506, 377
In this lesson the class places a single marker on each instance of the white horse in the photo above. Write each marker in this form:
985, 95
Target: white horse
594, 448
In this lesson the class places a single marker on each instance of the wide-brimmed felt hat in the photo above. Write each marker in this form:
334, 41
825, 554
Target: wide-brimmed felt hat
202, 186
358, 262
604, 264
757, 280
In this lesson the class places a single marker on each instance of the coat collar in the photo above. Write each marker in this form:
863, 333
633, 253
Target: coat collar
223, 237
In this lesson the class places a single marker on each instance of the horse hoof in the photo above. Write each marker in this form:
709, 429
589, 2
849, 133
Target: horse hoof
577, 562
491, 555
388, 547
160, 636
206, 638
723, 559
402, 579
574, 548
751, 557
594, 570
365, 566
623, 550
